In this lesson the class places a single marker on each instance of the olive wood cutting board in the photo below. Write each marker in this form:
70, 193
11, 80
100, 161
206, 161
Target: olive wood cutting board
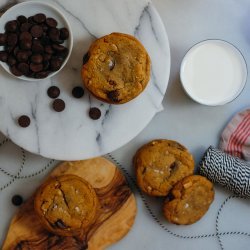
116, 217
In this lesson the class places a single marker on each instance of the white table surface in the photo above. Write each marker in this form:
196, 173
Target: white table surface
226, 225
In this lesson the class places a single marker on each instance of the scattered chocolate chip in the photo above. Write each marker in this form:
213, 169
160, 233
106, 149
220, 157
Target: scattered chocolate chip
51, 22
15, 71
11, 26
53, 92
60, 224
39, 18
22, 56
113, 95
45, 40
95, 113
25, 36
36, 67
11, 60
78, 92
85, 58
42, 74
37, 58
16, 49
58, 105
55, 64
64, 34
12, 39
25, 27
23, 67
54, 34
3, 39
22, 19
36, 31
17, 200
3, 56
24, 121
37, 48
25, 44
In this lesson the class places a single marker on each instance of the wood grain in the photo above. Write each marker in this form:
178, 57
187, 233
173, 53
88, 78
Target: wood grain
115, 218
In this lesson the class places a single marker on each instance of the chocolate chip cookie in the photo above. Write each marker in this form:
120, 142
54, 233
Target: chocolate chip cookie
189, 200
66, 205
160, 164
116, 68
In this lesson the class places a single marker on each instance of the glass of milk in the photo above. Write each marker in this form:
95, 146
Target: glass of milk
213, 72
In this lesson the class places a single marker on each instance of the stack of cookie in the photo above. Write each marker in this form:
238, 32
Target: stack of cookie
165, 168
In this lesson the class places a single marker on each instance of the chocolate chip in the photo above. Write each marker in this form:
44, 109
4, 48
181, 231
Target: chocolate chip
36, 31
46, 57
51, 22
17, 200
85, 58
94, 113
16, 49
37, 48
23, 67
25, 27
53, 92
60, 224
63, 53
42, 74
55, 64
24, 121
46, 65
39, 18
45, 40
11, 26
25, 44
54, 34
78, 92
49, 50
3, 39
64, 34
22, 19
36, 67
31, 20
22, 56
113, 95
11, 60
37, 58
3, 56
58, 47
58, 105
15, 71
25, 36
12, 39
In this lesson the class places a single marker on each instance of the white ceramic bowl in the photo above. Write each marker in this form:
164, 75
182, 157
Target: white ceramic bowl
31, 8
213, 72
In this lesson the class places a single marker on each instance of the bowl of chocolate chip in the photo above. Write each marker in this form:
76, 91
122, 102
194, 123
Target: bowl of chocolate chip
35, 40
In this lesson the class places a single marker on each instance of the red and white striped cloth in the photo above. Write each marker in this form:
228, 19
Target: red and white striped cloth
235, 139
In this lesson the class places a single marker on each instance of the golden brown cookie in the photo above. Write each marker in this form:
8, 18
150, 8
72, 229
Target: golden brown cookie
160, 164
189, 200
66, 205
116, 68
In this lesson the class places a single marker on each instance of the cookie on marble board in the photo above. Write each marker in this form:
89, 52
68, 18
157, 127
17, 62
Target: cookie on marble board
116, 68
160, 164
66, 205
189, 200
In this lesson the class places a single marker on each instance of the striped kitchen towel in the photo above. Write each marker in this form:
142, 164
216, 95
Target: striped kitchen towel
235, 139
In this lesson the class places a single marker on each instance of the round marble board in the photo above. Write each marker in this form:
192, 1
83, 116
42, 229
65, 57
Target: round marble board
71, 134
